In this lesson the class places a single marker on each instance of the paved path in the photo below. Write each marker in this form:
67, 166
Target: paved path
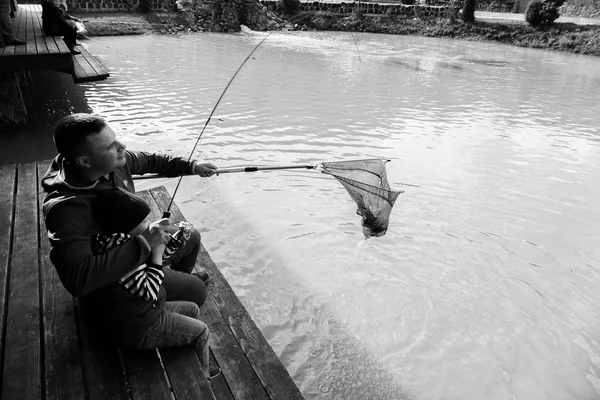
521, 17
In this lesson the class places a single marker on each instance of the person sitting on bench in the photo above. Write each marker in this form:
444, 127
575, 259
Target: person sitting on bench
92, 163
57, 22
74, 22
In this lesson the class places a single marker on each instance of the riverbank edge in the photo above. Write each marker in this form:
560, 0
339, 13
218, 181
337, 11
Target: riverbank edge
568, 37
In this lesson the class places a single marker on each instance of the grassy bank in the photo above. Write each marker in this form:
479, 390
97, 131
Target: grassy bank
583, 39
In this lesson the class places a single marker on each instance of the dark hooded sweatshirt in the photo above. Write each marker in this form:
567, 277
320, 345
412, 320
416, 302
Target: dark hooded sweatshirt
117, 313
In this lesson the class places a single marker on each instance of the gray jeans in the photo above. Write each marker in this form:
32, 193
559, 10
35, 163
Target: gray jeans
179, 325
5, 25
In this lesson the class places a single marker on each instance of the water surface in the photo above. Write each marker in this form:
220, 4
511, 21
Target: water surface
485, 285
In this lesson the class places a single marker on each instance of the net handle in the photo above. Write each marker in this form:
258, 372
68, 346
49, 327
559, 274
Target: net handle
235, 169
254, 169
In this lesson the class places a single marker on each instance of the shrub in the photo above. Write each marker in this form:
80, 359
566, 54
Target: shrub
520, 6
468, 10
533, 14
358, 14
451, 11
542, 11
289, 7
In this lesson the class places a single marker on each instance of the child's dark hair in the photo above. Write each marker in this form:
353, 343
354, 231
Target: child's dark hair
119, 211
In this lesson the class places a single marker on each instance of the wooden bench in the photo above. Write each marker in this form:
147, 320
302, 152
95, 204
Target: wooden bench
46, 352
46, 52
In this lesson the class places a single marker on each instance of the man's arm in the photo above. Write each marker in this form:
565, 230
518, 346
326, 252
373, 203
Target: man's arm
70, 231
141, 162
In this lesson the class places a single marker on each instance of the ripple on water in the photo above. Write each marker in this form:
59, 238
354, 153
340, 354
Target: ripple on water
484, 285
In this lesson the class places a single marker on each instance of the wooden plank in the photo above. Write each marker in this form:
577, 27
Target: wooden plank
263, 360
241, 378
62, 46
87, 68
103, 374
40, 43
8, 175
219, 384
146, 375
185, 374
94, 63
79, 73
21, 30
62, 358
22, 366
31, 49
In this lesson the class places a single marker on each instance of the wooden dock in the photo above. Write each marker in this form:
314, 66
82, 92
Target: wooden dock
46, 352
46, 52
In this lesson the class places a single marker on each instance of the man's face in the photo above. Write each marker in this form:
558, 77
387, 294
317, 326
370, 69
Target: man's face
104, 152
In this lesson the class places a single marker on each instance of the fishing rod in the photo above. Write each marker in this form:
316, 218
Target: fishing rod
356, 45
167, 213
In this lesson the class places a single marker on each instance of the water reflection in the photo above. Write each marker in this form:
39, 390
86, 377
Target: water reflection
484, 285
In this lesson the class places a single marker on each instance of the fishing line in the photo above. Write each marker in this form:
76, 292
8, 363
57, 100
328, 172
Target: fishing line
107, 46
356, 45
167, 213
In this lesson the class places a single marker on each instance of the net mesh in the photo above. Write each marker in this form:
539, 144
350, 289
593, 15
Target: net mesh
366, 182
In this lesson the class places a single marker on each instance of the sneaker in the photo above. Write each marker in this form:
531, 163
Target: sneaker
73, 51
213, 372
14, 42
202, 275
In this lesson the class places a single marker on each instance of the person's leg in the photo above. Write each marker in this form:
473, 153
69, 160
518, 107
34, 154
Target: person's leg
6, 33
182, 286
70, 36
184, 258
177, 326
5, 24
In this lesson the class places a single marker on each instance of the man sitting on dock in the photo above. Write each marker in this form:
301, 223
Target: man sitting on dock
91, 161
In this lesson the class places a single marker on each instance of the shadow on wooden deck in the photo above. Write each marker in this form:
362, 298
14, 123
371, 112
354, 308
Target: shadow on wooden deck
48, 353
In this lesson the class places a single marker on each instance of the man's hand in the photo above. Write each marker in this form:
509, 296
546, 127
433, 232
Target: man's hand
158, 232
204, 170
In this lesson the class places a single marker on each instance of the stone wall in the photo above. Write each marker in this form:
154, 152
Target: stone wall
427, 10
227, 15
118, 5
505, 6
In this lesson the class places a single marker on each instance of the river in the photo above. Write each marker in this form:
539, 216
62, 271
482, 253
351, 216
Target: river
486, 283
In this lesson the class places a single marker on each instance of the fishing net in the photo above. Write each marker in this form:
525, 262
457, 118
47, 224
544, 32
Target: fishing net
366, 182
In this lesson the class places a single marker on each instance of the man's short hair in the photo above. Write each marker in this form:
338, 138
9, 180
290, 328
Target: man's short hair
71, 132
